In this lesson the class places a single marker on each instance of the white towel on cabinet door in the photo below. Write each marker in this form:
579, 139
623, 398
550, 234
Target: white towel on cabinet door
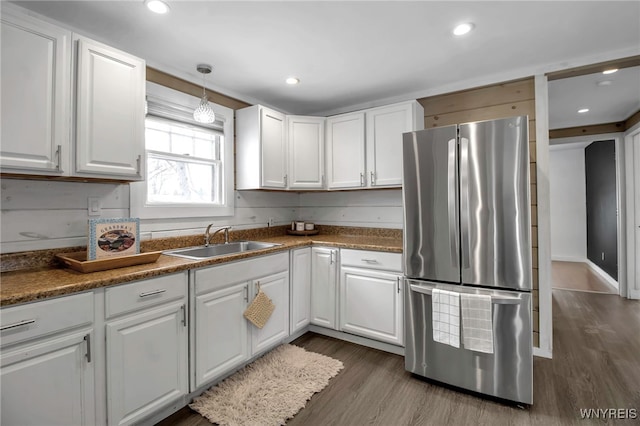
445, 307
477, 323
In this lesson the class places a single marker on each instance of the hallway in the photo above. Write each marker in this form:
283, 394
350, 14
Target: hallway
578, 276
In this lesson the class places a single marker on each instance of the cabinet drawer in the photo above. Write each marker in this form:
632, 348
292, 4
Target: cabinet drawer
371, 259
217, 277
37, 319
142, 294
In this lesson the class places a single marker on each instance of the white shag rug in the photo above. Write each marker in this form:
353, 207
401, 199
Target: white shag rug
268, 391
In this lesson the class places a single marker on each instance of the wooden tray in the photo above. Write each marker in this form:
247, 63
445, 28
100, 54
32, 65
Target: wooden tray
312, 232
78, 261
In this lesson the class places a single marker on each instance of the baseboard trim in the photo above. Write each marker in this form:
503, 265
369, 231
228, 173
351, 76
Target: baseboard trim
387, 347
608, 278
543, 353
568, 259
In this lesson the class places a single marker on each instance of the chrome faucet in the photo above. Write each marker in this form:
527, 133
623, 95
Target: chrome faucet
208, 235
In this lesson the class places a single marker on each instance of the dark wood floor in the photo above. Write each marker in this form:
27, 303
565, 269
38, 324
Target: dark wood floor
596, 364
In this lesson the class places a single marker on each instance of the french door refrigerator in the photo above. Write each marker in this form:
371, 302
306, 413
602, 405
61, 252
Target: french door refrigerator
467, 231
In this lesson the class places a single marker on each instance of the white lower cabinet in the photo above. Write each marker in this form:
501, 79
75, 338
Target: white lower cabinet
276, 287
222, 339
146, 347
324, 286
300, 291
371, 302
46, 362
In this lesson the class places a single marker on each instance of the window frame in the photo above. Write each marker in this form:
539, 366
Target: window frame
177, 106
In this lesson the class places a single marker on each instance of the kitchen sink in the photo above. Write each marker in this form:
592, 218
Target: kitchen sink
205, 252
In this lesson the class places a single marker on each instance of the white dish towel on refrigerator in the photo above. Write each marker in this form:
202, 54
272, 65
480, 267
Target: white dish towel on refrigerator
477, 324
445, 309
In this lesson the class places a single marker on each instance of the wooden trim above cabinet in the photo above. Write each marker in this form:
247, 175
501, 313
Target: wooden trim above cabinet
632, 61
182, 85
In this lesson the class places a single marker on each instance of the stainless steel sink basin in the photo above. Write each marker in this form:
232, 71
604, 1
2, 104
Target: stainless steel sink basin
203, 252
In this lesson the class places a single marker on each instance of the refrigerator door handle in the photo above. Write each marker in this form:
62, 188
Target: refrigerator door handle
503, 300
464, 202
452, 200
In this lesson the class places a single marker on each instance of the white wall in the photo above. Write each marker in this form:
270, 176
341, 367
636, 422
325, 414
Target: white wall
368, 208
568, 202
39, 215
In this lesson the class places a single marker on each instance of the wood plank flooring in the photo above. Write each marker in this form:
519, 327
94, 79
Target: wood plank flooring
578, 276
596, 364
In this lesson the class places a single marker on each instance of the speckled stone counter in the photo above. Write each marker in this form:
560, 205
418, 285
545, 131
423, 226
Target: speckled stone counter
28, 285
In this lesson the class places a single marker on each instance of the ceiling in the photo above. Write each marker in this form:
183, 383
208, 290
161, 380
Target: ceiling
356, 54
609, 98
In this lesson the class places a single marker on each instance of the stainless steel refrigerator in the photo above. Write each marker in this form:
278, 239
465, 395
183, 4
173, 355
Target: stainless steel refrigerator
467, 230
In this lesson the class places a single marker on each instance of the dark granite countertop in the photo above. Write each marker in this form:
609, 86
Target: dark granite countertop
28, 285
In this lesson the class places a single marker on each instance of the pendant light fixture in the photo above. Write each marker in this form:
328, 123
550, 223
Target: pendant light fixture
204, 113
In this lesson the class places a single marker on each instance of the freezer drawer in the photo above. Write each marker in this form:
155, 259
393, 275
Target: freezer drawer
507, 373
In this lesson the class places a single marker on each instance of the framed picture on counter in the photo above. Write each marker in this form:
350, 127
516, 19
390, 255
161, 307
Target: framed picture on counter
113, 237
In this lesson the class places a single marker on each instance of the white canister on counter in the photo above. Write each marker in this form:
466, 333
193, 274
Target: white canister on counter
309, 226
299, 226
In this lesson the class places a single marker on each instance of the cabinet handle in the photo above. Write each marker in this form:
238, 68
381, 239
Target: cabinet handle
246, 293
373, 179
361, 179
257, 287
183, 308
286, 178
58, 157
87, 339
372, 261
398, 281
322, 181
152, 293
333, 252
138, 164
17, 324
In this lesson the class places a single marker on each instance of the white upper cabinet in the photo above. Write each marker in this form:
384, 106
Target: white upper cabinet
110, 90
35, 79
385, 126
261, 150
306, 152
364, 149
48, 72
345, 151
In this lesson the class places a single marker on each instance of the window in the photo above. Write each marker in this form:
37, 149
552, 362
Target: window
189, 166
183, 164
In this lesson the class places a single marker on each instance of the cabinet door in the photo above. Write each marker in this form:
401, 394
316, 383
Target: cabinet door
220, 332
371, 304
35, 76
276, 287
274, 154
110, 111
300, 289
50, 382
323, 287
306, 152
345, 151
147, 363
385, 127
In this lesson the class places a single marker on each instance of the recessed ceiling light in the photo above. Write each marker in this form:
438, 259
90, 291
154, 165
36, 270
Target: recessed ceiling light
292, 80
611, 71
157, 6
583, 110
604, 83
463, 29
